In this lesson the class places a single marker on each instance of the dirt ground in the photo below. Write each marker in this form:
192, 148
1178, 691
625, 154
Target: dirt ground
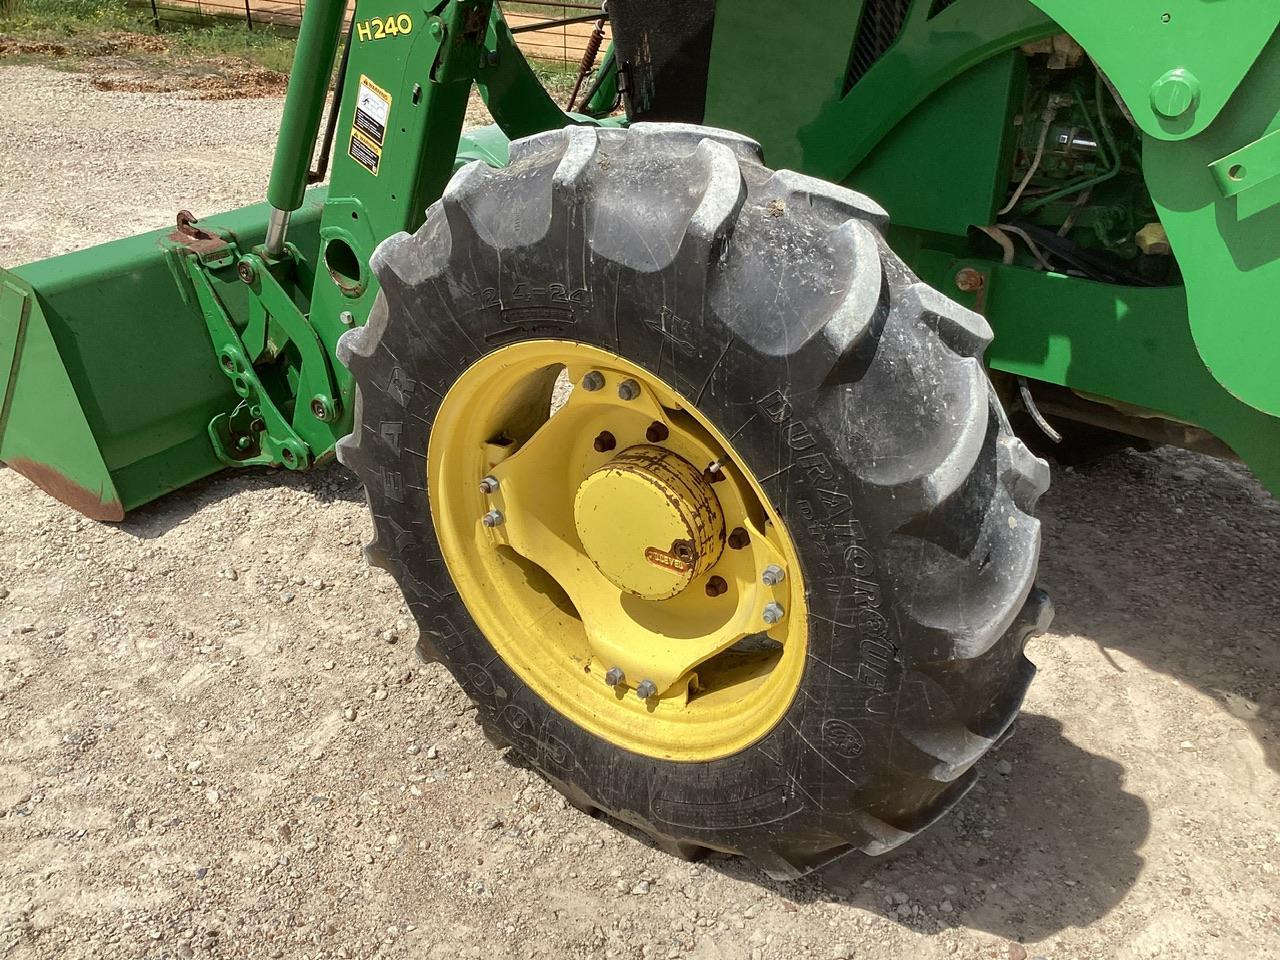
215, 741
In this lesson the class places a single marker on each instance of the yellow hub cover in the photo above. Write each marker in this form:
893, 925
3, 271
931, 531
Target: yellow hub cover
649, 521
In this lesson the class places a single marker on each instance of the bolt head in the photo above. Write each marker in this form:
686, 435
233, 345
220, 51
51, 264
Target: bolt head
488, 484
772, 575
319, 409
773, 613
592, 381
716, 586
646, 689
1174, 94
492, 519
738, 539
614, 676
605, 442
246, 272
970, 280
628, 389
348, 318
657, 432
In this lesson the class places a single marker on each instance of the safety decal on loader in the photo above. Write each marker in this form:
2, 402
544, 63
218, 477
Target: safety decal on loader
369, 128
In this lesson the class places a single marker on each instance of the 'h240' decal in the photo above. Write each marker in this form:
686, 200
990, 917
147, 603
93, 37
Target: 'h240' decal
379, 28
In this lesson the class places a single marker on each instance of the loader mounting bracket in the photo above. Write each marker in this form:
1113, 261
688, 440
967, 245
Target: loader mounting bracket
269, 341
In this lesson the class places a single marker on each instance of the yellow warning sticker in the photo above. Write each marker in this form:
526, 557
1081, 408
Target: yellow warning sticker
369, 127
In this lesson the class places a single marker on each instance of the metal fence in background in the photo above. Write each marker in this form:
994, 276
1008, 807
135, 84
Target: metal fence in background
544, 29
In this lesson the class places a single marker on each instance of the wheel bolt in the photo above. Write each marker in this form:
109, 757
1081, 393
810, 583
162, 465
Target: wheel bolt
772, 575
593, 381
628, 389
604, 442
493, 518
657, 432
646, 689
773, 612
614, 677
738, 538
488, 484
716, 586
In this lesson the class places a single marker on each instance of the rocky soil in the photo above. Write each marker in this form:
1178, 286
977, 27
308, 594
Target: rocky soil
215, 740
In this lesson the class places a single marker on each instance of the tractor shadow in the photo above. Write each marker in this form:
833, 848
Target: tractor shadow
1053, 844
1169, 558
326, 484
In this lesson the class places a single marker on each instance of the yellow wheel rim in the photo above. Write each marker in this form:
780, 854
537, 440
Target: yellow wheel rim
615, 551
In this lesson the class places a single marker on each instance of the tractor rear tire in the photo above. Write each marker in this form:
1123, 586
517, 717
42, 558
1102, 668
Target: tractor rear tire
853, 391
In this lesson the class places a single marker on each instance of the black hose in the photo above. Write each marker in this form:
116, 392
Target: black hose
331, 124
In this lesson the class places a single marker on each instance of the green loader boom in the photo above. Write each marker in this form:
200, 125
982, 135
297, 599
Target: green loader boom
1100, 180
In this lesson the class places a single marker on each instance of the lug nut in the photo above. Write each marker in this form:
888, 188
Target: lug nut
488, 484
772, 575
738, 538
628, 389
716, 586
614, 677
657, 432
646, 689
593, 381
773, 612
604, 442
493, 518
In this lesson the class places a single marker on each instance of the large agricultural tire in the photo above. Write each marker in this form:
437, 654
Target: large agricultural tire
854, 394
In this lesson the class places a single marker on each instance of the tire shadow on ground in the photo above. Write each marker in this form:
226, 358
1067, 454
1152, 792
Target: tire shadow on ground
1053, 843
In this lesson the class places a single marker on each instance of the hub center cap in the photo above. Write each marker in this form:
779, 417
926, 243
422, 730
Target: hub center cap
649, 521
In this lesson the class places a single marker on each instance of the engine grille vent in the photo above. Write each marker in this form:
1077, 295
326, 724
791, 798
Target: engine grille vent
878, 28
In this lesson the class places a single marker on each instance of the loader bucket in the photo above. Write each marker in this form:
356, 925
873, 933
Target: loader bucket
108, 378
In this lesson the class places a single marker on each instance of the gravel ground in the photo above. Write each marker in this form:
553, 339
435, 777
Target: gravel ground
214, 740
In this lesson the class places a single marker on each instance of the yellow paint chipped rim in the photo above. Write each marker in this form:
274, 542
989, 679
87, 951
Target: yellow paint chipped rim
495, 407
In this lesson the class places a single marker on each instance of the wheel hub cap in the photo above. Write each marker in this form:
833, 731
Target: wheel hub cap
649, 521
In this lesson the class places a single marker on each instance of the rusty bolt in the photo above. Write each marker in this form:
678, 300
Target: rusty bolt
683, 549
657, 432
593, 381
245, 269
628, 389
646, 689
604, 442
970, 280
716, 586
614, 677
738, 539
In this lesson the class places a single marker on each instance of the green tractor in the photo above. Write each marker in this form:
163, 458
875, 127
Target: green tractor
695, 471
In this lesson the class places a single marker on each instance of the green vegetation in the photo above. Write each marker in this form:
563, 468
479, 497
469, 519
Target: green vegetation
77, 26
75, 30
